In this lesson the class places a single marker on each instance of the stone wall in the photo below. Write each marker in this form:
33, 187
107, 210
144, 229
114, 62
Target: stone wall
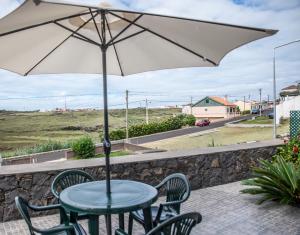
204, 167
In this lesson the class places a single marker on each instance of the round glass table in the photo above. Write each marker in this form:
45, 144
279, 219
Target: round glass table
91, 198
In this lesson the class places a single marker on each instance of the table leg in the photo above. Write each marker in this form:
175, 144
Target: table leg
108, 224
73, 217
148, 219
121, 221
93, 224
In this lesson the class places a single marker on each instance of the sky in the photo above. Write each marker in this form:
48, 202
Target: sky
241, 73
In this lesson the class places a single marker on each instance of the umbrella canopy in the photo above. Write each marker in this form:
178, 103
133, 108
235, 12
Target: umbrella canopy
56, 36
62, 38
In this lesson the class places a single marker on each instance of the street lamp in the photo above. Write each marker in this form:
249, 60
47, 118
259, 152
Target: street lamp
274, 84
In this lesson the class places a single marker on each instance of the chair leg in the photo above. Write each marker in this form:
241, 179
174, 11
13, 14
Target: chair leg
130, 224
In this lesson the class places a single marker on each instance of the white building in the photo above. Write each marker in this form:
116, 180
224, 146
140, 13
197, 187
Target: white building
283, 109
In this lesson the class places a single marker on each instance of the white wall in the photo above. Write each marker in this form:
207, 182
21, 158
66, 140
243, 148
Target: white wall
241, 105
186, 109
210, 112
284, 108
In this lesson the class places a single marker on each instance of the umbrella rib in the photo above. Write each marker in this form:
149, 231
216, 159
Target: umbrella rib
115, 49
83, 39
78, 34
124, 29
166, 39
41, 60
129, 36
44, 23
96, 25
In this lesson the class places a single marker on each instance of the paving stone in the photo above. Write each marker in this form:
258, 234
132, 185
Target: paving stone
224, 210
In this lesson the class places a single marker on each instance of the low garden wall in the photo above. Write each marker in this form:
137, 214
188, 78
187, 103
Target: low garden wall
67, 154
204, 167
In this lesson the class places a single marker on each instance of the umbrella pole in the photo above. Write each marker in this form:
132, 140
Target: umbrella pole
106, 141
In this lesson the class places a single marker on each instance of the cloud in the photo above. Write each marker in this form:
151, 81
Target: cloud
242, 72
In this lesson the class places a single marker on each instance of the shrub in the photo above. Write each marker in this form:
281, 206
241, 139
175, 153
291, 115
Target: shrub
245, 112
50, 145
290, 151
169, 124
188, 120
118, 134
84, 147
278, 181
155, 127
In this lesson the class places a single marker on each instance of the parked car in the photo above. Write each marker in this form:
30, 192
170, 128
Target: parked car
255, 111
204, 122
271, 115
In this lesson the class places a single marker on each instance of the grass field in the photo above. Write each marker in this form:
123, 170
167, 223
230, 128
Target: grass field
223, 136
23, 129
258, 120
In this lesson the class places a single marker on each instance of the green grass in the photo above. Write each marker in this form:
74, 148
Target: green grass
26, 129
258, 120
224, 136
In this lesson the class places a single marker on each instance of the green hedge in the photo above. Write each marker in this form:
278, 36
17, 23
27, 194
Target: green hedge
172, 123
245, 112
84, 148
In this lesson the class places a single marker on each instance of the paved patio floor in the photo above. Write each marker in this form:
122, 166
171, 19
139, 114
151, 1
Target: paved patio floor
224, 211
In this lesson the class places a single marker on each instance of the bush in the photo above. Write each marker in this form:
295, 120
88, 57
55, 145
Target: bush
117, 134
84, 147
169, 124
278, 181
187, 120
245, 112
155, 127
50, 145
290, 152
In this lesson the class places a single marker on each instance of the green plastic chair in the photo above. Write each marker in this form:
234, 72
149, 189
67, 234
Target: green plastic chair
65, 228
67, 179
178, 225
177, 189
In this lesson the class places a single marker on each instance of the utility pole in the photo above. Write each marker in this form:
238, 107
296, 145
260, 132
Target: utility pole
65, 104
147, 115
260, 105
244, 103
191, 105
126, 115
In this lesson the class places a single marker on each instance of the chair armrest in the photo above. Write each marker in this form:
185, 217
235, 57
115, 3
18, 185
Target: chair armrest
45, 208
69, 228
64, 217
120, 232
161, 207
172, 203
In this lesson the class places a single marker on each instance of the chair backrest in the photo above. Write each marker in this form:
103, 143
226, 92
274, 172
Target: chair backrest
22, 206
69, 178
177, 188
178, 225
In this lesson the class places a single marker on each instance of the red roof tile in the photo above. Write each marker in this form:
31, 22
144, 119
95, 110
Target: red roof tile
222, 101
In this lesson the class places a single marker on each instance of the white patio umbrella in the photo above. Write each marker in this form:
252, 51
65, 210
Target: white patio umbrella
56, 36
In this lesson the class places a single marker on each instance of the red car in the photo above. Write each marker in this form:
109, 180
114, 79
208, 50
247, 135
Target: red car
204, 122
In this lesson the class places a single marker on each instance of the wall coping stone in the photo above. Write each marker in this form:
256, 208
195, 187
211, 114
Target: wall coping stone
54, 166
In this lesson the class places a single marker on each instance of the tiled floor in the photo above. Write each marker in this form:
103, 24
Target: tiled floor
224, 211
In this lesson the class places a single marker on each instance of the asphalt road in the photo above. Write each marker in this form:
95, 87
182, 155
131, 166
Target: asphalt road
184, 131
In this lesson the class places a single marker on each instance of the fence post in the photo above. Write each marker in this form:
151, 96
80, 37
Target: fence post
294, 123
